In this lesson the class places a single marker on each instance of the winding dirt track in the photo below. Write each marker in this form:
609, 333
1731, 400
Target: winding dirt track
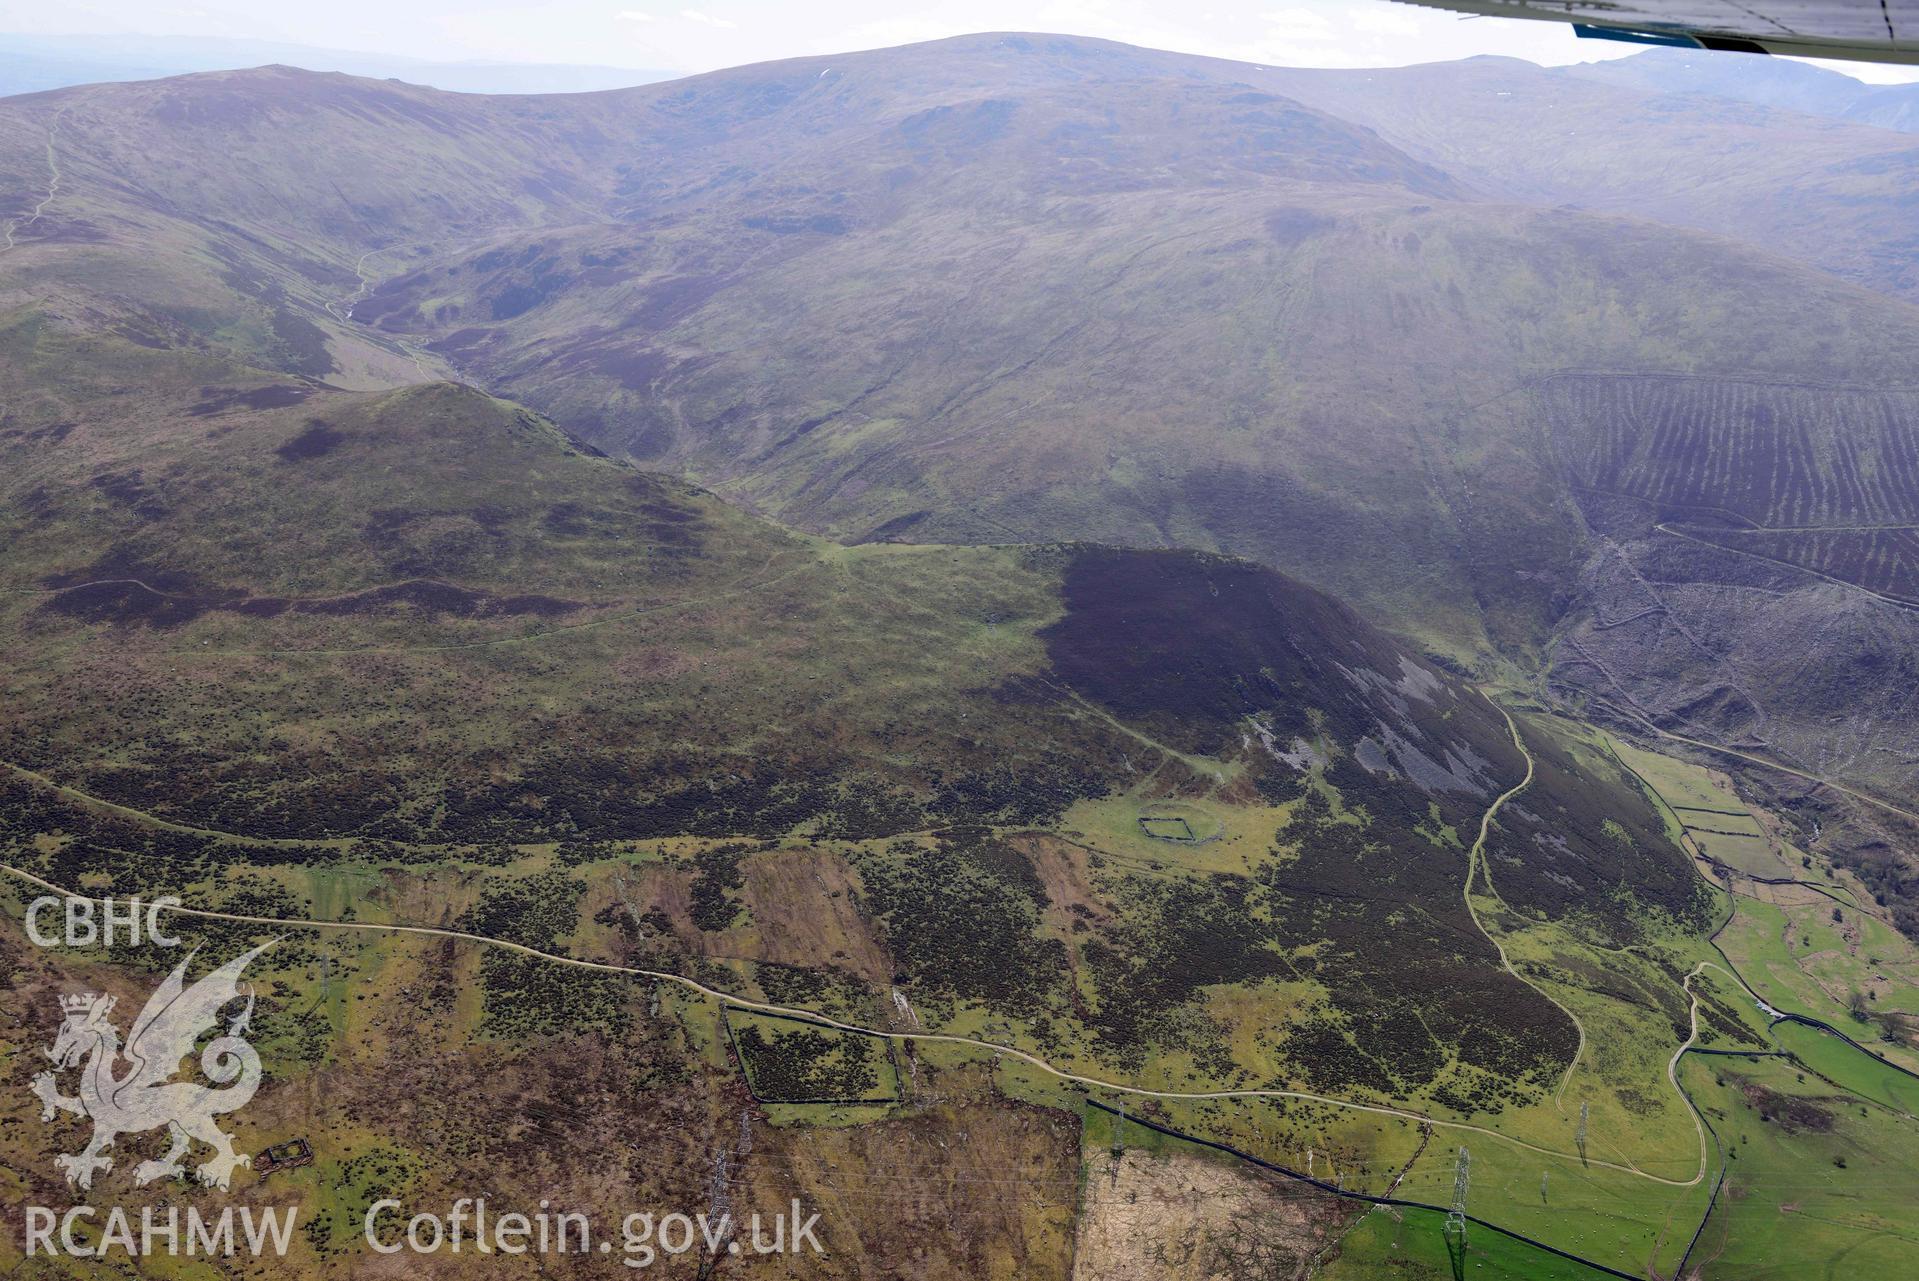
23, 221
1475, 861
743, 1003
1900, 602
1857, 795
1476, 865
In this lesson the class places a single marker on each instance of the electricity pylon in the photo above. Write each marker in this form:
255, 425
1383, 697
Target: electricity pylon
1455, 1229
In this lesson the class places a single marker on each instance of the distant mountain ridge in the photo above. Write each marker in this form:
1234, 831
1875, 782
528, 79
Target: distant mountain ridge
1029, 288
31, 64
1830, 192
1772, 82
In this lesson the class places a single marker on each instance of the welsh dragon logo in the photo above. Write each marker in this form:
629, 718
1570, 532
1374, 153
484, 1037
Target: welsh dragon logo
126, 1091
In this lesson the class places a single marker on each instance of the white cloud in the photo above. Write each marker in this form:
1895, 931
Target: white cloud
1301, 25
888, 32
1385, 20
706, 34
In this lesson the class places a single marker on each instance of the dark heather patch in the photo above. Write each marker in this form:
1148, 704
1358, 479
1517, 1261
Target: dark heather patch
1192, 644
1199, 649
520, 297
634, 368
567, 520
1293, 226
67, 231
1176, 938
134, 599
432, 598
129, 489
318, 438
669, 300
669, 523
802, 1065
463, 342
959, 127
122, 562
610, 796
491, 518
1573, 847
1789, 1112
980, 848
124, 601
305, 343
219, 399
140, 337
803, 429
1413, 989
797, 224
385, 526
960, 930
896, 528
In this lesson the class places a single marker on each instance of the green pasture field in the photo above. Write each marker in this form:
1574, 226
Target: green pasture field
1816, 972
1411, 1244
1828, 1057
1819, 1183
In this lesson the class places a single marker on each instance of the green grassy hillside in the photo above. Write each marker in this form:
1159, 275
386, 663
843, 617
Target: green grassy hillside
1015, 288
1166, 820
969, 739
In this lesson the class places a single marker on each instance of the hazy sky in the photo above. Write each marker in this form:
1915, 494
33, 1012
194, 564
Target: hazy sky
700, 35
